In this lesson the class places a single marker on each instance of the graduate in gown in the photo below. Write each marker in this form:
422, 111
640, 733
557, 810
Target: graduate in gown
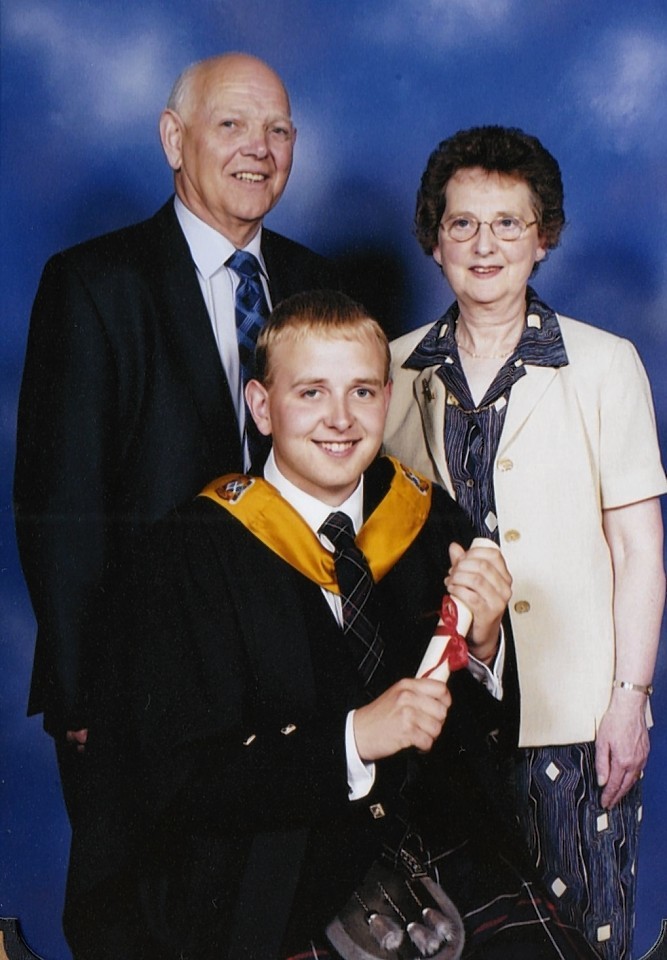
283, 742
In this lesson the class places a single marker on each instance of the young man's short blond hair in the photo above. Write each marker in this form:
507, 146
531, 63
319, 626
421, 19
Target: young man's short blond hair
323, 313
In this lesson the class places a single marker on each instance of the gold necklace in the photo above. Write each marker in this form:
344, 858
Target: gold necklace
485, 356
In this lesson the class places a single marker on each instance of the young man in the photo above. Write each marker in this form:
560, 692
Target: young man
282, 736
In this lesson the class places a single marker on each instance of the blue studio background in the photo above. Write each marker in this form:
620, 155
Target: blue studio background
374, 87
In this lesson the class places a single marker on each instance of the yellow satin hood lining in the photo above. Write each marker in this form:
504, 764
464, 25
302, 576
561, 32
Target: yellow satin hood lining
384, 537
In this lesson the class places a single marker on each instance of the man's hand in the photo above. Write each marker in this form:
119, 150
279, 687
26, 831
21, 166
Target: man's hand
77, 737
411, 713
480, 578
621, 746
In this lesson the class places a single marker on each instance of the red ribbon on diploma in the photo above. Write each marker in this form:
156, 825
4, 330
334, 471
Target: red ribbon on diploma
456, 651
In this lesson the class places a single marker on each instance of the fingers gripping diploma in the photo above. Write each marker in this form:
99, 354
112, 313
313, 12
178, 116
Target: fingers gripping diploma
411, 713
480, 579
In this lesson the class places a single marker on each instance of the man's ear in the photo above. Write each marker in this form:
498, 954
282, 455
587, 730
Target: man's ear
257, 398
171, 135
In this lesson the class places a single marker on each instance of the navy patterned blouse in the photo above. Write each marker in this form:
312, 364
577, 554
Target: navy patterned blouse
472, 434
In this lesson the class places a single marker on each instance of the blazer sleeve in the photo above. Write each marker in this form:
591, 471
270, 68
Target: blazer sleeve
630, 466
65, 446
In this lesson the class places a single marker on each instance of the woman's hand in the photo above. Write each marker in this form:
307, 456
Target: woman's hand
621, 746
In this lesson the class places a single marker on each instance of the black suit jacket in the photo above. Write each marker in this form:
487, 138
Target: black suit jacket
124, 412
241, 683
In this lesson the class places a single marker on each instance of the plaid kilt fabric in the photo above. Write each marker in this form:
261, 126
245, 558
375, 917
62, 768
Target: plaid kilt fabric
519, 925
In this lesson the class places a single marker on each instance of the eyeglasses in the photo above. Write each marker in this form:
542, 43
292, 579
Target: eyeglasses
503, 228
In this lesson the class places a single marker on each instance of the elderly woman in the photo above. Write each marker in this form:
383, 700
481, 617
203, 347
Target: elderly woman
542, 427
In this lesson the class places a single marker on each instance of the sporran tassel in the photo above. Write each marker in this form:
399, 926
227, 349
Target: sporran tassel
426, 941
439, 922
386, 931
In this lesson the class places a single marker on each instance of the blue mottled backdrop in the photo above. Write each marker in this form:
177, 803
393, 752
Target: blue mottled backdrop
375, 86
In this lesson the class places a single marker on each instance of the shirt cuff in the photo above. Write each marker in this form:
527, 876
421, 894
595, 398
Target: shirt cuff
360, 775
490, 676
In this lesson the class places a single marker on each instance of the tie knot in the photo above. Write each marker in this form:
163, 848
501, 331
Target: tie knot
338, 527
244, 263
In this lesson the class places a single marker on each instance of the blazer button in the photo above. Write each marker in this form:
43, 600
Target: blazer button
505, 464
512, 535
522, 606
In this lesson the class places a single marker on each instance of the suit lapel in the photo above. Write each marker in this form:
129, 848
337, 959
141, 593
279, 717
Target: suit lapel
289, 267
188, 329
525, 396
430, 393
281, 285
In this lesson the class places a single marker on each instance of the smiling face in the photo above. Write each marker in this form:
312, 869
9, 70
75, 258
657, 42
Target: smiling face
485, 270
325, 405
230, 144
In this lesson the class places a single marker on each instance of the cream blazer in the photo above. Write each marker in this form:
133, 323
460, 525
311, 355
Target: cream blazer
576, 440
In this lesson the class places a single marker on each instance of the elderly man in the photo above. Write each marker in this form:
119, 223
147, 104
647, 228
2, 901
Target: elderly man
132, 397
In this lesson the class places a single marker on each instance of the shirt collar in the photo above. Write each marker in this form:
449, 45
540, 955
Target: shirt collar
312, 510
209, 248
541, 343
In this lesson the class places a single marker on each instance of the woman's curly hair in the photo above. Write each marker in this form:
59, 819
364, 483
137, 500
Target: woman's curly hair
505, 150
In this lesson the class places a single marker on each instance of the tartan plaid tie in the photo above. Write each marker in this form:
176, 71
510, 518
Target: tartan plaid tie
251, 308
360, 620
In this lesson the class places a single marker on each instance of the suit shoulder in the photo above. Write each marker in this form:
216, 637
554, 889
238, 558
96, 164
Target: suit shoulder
197, 528
292, 267
278, 244
592, 348
127, 245
577, 332
446, 520
403, 346
201, 511
445, 509
450, 519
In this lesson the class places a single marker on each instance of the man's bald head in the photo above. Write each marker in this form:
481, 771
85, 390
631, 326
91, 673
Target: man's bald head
184, 90
228, 136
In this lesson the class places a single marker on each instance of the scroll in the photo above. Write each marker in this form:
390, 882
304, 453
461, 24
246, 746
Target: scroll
448, 650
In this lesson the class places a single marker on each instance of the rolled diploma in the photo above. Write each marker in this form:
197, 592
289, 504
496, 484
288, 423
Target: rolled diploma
435, 652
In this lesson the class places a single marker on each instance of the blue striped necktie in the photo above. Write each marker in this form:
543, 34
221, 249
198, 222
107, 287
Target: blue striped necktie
360, 617
251, 308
